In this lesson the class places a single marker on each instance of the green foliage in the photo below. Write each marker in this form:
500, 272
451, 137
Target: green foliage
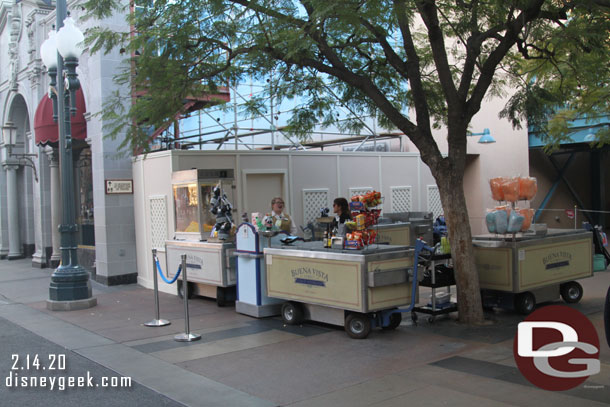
565, 69
375, 58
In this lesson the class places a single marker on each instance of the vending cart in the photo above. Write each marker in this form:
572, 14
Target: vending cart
211, 262
252, 298
339, 286
528, 268
403, 228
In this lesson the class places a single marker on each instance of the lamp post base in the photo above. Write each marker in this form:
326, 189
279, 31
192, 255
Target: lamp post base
71, 305
70, 284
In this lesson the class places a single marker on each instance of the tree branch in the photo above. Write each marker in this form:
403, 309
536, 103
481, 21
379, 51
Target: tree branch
429, 13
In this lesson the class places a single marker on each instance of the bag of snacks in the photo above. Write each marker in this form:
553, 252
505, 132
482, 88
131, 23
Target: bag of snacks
490, 220
527, 188
505, 208
496, 188
510, 189
528, 215
501, 221
515, 221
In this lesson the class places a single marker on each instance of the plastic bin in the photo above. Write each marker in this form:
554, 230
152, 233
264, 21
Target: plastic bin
599, 262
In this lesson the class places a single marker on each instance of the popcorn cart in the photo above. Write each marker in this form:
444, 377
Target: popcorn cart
211, 263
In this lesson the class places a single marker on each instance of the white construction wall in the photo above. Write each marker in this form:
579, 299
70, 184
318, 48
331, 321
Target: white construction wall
308, 181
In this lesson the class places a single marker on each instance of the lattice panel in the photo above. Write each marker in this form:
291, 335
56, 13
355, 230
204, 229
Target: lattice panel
402, 200
359, 191
434, 201
158, 221
313, 201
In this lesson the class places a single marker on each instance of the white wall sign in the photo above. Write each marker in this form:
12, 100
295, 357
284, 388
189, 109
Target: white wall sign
119, 186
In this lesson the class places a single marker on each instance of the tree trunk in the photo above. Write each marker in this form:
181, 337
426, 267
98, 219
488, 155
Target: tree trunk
451, 188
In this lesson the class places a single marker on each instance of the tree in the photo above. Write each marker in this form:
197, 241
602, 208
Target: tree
441, 58
565, 77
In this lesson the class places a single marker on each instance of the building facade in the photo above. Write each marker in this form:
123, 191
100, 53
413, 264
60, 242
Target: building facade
30, 197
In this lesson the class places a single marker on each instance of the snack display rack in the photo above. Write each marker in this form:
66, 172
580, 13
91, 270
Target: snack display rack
365, 215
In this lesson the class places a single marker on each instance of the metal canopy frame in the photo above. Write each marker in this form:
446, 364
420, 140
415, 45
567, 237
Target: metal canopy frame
597, 179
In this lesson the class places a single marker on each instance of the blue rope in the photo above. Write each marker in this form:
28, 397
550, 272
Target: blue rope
163, 277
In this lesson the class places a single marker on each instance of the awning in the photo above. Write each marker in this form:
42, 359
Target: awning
46, 130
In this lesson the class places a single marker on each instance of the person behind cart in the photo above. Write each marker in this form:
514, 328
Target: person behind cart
282, 220
342, 214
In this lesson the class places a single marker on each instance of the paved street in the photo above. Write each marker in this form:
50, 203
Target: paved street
46, 360
243, 361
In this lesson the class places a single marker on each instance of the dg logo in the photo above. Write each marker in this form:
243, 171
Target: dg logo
556, 348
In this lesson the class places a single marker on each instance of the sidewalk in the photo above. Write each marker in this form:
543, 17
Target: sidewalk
243, 361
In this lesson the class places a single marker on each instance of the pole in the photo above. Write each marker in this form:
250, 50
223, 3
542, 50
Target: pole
70, 288
575, 216
156, 321
187, 336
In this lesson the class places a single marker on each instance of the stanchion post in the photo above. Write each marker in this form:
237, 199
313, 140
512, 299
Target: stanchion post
156, 321
187, 336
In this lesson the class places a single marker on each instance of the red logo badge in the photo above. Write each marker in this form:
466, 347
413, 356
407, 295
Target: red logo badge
556, 348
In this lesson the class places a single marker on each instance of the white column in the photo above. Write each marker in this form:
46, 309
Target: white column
12, 205
55, 206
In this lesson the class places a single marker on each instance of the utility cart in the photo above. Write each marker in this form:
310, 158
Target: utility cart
525, 269
437, 274
357, 289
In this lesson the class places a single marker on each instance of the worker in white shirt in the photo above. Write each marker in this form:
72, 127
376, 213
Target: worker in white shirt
281, 219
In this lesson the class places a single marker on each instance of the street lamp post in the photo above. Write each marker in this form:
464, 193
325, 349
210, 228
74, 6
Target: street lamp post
70, 288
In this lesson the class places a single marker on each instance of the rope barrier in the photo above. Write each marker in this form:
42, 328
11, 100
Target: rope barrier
163, 277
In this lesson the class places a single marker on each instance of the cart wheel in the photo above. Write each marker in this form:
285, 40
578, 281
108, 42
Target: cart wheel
357, 326
607, 316
221, 296
525, 303
571, 292
414, 317
395, 320
191, 289
292, 313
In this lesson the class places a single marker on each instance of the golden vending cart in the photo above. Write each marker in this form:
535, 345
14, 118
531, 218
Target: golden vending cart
526, 269
210, 261
403, 228
337, 286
